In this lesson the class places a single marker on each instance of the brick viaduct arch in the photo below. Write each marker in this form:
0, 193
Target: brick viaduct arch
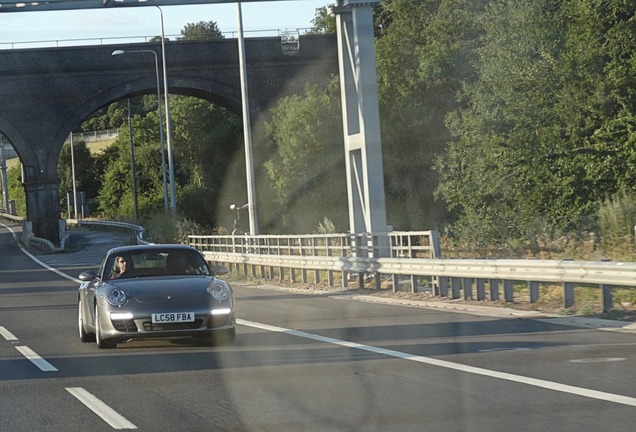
45, 93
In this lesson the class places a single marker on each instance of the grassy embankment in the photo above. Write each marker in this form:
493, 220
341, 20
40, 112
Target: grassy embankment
94, 147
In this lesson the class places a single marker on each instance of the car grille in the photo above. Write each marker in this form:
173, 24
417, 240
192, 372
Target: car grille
149, 326
127, 326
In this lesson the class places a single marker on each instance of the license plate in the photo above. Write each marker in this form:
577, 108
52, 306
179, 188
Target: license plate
172, 317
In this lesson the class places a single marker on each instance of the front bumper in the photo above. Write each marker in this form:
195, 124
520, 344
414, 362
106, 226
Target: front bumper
140, 326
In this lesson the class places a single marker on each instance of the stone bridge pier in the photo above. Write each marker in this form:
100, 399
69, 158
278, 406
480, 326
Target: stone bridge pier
43, 208
39, 168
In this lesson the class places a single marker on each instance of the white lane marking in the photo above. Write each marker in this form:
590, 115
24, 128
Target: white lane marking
503, 349
7, 334
564, 388
28, 352
36, 359
106, 413
598, 360
30, 255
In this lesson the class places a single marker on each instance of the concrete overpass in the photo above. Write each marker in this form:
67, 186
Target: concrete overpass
46, 93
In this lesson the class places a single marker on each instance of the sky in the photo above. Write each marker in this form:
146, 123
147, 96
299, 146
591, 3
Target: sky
145, 21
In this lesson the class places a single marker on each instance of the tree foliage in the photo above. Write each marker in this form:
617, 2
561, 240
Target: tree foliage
425, 52
203, 30
16, 190
544, 135
323, 22
204, 138
307, 168
86, 178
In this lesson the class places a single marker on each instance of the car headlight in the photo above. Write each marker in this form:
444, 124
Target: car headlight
116, 297
219, 290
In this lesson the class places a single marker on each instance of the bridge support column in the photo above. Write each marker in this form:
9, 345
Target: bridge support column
43, 206
361, 118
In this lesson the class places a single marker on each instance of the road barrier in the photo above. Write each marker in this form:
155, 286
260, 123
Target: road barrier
298, 250
137, 230
273, 256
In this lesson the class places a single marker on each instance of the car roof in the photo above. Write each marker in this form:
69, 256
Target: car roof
137, 248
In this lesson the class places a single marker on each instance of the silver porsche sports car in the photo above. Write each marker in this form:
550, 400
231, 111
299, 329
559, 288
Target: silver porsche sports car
151, 292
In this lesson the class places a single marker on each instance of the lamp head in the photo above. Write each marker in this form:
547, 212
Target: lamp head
118, 52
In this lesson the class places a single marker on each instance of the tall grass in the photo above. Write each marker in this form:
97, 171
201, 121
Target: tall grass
616, 220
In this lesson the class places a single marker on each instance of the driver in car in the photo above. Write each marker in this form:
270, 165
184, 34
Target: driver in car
121, 268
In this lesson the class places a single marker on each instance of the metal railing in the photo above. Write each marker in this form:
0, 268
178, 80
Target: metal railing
111, 40
403, 243
303, 253
137, 230
274, 256
94, 136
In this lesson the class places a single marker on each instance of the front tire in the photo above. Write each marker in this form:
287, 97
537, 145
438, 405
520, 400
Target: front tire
101, 342
83, 334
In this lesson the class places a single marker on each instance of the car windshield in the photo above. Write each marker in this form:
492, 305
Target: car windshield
145, 263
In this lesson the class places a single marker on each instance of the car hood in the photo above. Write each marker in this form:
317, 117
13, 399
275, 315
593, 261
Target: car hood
176, 289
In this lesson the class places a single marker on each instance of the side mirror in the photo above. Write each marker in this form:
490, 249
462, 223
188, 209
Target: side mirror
219, 269
88, 275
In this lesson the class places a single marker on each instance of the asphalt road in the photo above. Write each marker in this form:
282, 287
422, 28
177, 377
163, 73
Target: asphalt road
301, 362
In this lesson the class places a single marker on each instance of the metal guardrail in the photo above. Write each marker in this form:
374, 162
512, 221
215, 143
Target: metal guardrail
413, 244
136, 229
7, 215
298, 250
27, 236
454, 278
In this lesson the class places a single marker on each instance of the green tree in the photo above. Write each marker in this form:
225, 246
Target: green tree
543, 137
16, 189
206, 137
307, 169
425, 52
201, 31
86, 179
114, 168
323, 22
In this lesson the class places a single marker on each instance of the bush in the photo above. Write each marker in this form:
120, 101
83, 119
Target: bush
161, 228
616, 219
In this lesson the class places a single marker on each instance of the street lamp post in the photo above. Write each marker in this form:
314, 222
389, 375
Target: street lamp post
159, 112
237, 222
3, 167
132, 162
73, 177
173, 193
249, 162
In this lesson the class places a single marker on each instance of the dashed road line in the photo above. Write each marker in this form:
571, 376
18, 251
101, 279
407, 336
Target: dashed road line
106, 413
36, 359
27, 352
7, 334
